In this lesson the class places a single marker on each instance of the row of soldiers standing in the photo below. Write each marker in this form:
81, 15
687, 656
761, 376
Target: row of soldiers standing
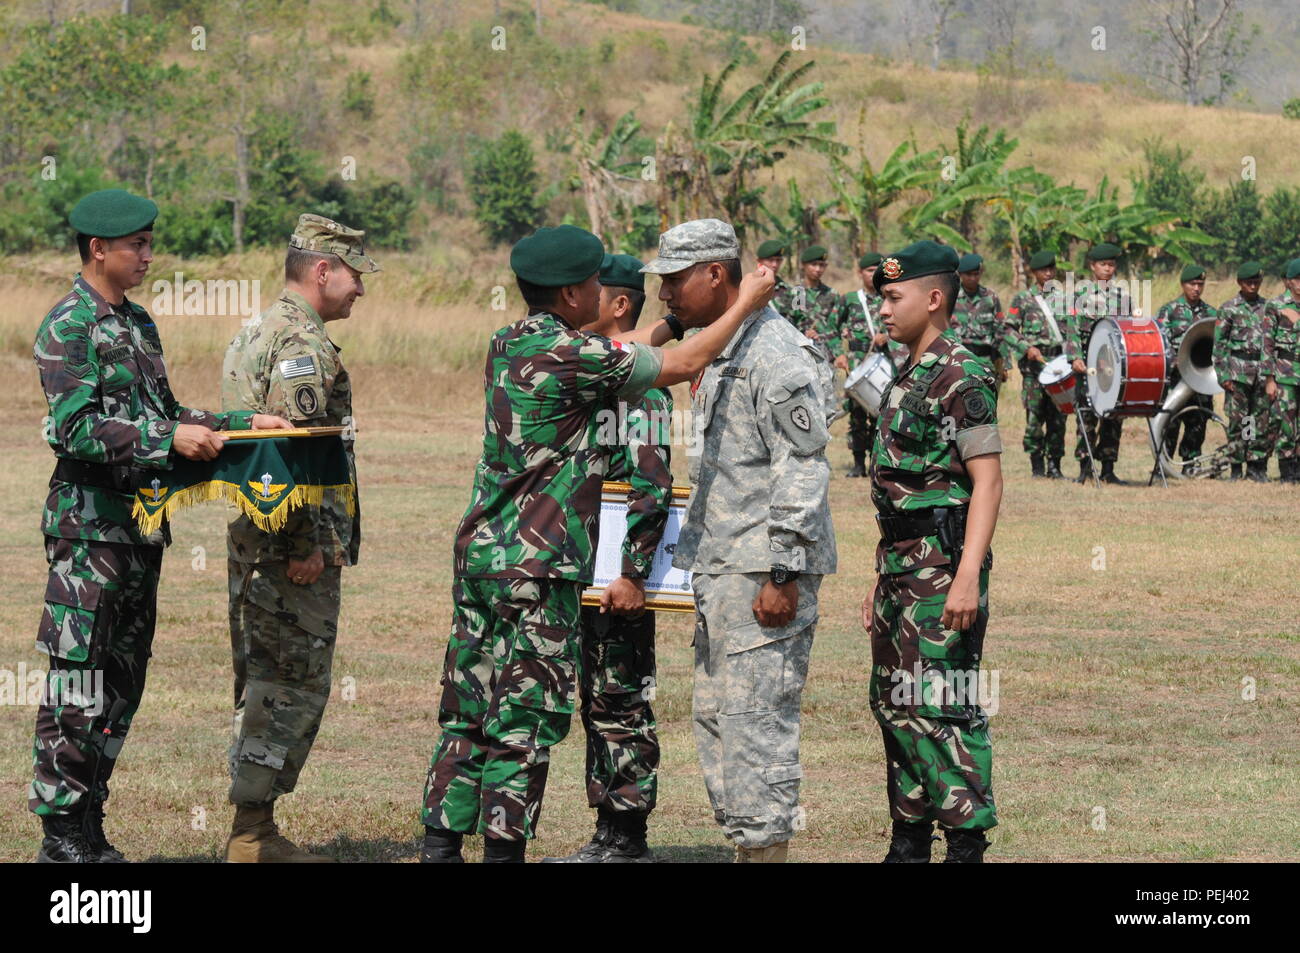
1256, 353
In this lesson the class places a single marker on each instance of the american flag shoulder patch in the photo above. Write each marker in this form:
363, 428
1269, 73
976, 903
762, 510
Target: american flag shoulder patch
293, 367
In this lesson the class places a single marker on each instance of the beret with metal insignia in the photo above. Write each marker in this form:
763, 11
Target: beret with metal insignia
770, 249
622, 271
917, 260
1250, 269
1104, 251
969, 262
1042, 259
1191, 273
812, 253
870, 258
556, 257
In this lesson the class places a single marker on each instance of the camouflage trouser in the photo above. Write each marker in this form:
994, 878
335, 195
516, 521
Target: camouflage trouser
508, 687
97, 628
617, 684
1285, 415
1105, 444
1247, 408
748, 682
282, 639
862, 429
1192, 425
940, 758
1044, 423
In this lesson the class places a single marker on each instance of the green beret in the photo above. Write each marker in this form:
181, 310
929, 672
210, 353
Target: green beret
1042, 259
622, 271
1104, 252
969, 262
1250, 269
555, 257
1191, 273
771, 249
870, 258
813, 253
1292, 269
916, 261
112, 213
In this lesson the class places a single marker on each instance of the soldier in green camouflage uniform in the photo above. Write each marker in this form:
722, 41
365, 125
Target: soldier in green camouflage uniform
1174, 319
1239, 362
1031, 342
1095, 298
1282, 365
812, 306
113, 420
978, 319
284, 586
858, 334
936, 482
524, 550
617, 674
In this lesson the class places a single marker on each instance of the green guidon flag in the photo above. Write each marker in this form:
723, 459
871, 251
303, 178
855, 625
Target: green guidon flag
265, 477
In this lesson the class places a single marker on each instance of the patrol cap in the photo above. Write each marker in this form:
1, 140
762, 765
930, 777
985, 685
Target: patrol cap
112, 213
813, 253
770, 249
703, 239
1191, 273
327, 237
1292, 269
970, 262
1104, 251
1250, 269
621, 271
1042, 259
917, 260
556, 257
869, 259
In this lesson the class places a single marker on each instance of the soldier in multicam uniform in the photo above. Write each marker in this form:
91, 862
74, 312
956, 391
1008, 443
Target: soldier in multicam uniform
617, 674
284, 586
1174, 319
758, 540
1096, 298
1032, 342
937, 483
1282, 365
1239, 337
812, 306
525, 547
113, 421
978, 319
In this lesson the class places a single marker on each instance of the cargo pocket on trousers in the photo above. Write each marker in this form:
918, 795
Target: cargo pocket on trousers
75, 618
541, 672
949, 675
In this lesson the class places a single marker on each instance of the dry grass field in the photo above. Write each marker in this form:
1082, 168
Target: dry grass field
1120, 688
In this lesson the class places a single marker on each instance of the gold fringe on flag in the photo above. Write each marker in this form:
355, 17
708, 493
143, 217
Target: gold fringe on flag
272, 522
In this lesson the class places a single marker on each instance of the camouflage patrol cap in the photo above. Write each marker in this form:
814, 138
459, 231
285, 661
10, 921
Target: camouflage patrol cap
1250, 269
1042, 259
621, 271
326, 237
1191, 273
970, 262
557, 257
870, 258
813, 253
917, 260
704, 239
112, 213
1104, 251
772, 248
1292, 269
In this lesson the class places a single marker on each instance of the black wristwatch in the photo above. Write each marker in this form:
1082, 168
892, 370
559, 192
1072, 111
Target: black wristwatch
781, 575
675, 326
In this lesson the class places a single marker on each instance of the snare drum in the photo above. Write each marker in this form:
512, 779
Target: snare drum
1127, 370
1057, 379
869, 381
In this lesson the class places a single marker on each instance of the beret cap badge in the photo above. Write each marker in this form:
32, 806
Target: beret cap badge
891, 268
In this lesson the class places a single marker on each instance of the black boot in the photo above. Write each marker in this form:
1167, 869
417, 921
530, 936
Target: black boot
1235, 472
965, 847
859, 465
1108, 474
1290, 470
441, 847
108, 854
1085, 472
1036, 465
910, 843
65, 841
1257, 470
593, 852
498, 851
626, 844
1054, 469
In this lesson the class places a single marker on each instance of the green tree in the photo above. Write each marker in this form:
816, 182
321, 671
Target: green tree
864, 191
503, 185
1279, 231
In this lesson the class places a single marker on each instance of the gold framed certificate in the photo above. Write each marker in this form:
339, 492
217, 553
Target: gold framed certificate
666, 589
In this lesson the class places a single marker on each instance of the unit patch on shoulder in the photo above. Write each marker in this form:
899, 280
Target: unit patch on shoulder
304, 366
304, 398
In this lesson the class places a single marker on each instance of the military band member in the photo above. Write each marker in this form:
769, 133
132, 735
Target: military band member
1174, 319
1034, 333
1282, 365
1097, 297
860, 333
811, 306
524, 550
978, 318
1239, 362
936, 480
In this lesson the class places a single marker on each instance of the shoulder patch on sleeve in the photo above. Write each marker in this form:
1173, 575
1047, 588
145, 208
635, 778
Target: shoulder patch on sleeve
305, 400
978, 408
304, 366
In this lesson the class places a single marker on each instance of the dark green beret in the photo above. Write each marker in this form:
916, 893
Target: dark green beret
1191, 273
1042, 259
1292, 269
915, 261
112, 213
622, 271
812, 253
771, 249
870, 258
1104, 252
1250, 269
969, 262
555, 257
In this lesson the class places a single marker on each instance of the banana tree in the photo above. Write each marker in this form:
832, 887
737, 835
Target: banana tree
863, 191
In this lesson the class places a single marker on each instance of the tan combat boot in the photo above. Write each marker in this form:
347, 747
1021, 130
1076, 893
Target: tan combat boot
254, 839
775, 854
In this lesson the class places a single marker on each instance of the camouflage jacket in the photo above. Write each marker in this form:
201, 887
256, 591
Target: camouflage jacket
642, 445
1026, 326
853, 333
809, 309
1177, 316
978, 321
535, 505
759, 477
1093, 300
1239, 340
283, 363
1282, 340
936, 414
110, 403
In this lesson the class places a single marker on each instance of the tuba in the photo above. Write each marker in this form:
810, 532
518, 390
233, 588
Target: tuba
1195, 364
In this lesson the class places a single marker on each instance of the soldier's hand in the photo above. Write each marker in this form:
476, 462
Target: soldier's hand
776, 605
757, 287
1004, 375
623, 596
306, 571
811, 335
197, 443
880, 339
270, 422
1034, 354
963, 602
1079, 366
842, 362
1270, 388
1228, 386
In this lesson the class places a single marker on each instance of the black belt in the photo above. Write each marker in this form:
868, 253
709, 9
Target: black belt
980, 350
915, 524
1246, 355
121, 479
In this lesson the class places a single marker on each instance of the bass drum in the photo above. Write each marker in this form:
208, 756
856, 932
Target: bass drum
869, 381
1127, 370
